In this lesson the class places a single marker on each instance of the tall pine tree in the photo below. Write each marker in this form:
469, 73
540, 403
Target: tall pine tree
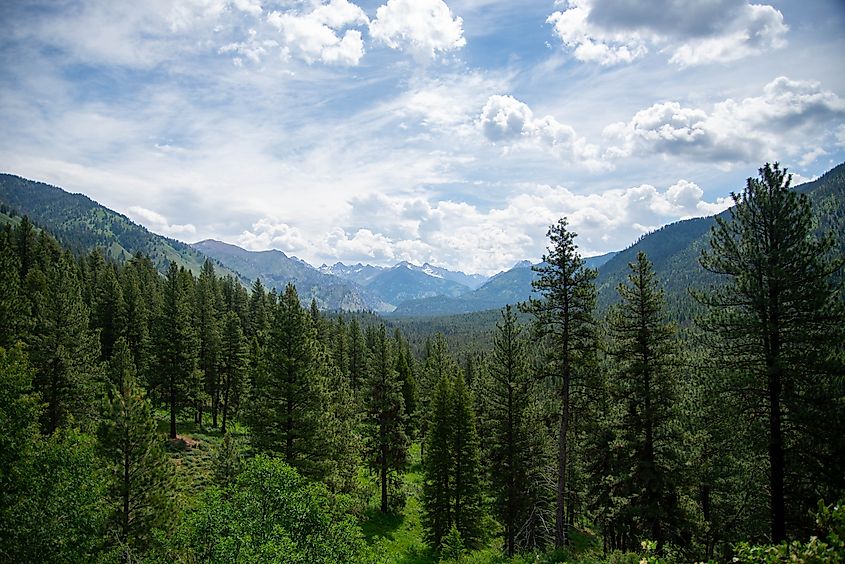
779, 320
564, 315
387, 443
142, 474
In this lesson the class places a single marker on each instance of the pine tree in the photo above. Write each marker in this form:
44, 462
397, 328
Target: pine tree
108, 308
780, 324
387, 443
228, 462
176, 343
466, 465
142, 474
357, 355
64, 351
437, 466
208, 329
564, 315
288, 396
233, 364
507, 392
643, 345
405, 369
13, 310
135, 319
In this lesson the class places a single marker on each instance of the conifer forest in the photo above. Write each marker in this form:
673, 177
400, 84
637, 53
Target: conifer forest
149, 413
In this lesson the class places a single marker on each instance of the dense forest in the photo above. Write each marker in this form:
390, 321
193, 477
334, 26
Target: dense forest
188, 418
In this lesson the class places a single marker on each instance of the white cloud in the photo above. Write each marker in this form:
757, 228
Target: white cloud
157, 223
591, 43
461, 235
268, 233
422, 27
252, 49
611, 32
504, 119
251, 7
789, 118
319, 35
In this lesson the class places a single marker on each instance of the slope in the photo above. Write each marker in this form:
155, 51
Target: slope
81, 225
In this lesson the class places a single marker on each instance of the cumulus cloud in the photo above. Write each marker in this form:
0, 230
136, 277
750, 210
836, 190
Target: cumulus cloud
789, 118
461, 235
321, 34
157, 223
611, 32
268, 233
506, 120
421, 27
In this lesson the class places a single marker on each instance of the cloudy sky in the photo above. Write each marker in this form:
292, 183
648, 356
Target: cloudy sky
451, 132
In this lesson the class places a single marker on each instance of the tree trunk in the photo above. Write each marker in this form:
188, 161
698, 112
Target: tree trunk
560, 513
225, 406
172, 408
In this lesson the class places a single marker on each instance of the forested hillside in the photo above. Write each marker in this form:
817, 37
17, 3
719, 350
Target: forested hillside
82, 225
185, 418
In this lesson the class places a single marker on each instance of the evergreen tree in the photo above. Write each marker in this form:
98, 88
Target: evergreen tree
64, 351
136, 319
387, 443
13, 310
780, 323
209, 330
288, 396
466, 465
259, 317
233, 364
643, 345
108, 308
437, 466
405, 370
357, 355
228, 462
176, 344
142, 475
507, 392
564, 315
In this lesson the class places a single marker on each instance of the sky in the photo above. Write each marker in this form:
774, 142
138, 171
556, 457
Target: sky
451, 132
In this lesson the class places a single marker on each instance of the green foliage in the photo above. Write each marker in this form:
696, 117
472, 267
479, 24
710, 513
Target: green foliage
384, 425
54, 508
141, 473
647, 471
63, 349
778, 320
452, 493
176, 344
564, 317
270, 514
228, 463
830, 519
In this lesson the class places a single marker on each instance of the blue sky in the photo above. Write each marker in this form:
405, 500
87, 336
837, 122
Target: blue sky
450, 132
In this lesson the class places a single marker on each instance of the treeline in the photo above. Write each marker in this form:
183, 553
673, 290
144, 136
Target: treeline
574, 427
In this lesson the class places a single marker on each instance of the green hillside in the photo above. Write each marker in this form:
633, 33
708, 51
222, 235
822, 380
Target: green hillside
81, 224
674, 249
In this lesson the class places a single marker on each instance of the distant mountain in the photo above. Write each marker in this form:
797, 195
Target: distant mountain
508, 287
81, 224
359, 273
276, 270
404, 282
471, 281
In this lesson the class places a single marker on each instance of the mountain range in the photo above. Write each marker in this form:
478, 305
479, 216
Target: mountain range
403, 290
